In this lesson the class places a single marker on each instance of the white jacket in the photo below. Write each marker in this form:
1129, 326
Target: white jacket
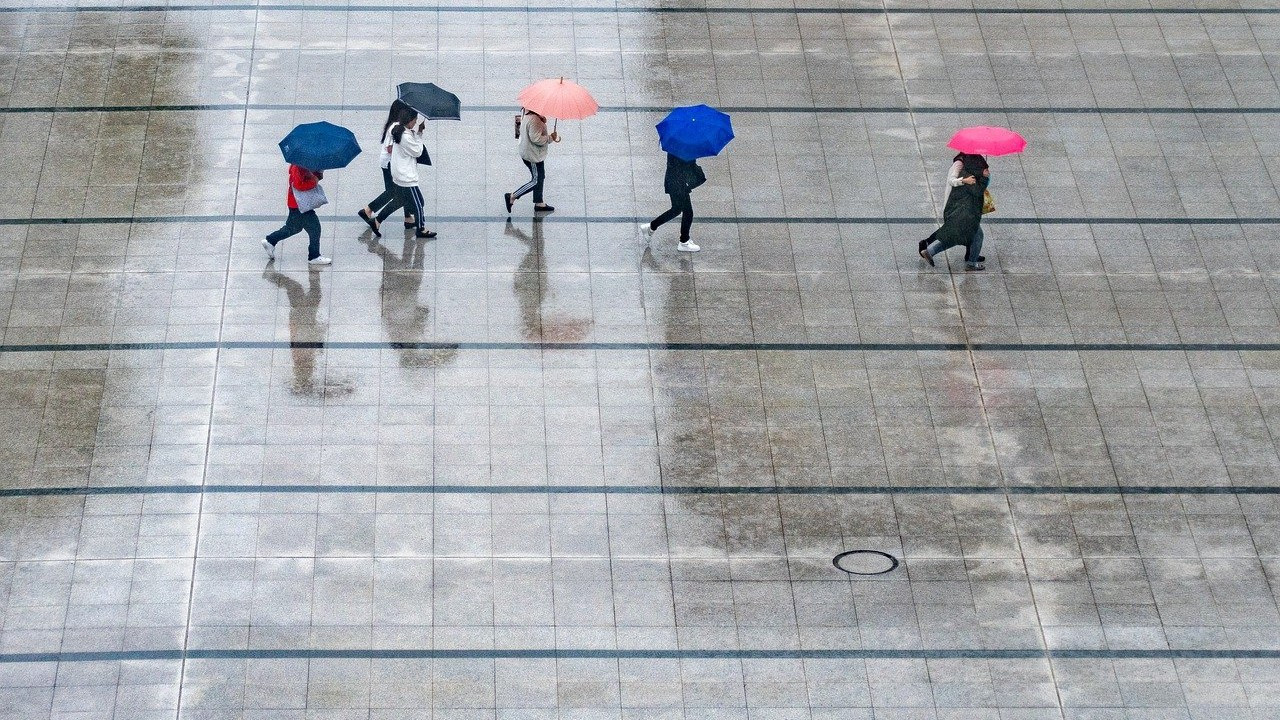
384, 150
404, 158
534, 138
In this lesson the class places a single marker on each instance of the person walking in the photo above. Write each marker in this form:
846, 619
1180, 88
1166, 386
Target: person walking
962, 213
681, 178
534, 142
406, 148
306, 183
403, 114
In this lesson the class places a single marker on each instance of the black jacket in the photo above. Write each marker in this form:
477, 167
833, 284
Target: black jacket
963, 213
682, 176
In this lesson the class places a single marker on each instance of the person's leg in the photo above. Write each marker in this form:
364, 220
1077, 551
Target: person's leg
292, 226
975, 249
311, 223
925, 242
399, 199
415, 196
686, 217
533, 183
668, 215
388, 194
539, 175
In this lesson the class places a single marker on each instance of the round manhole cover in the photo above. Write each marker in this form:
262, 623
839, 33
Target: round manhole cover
865, 562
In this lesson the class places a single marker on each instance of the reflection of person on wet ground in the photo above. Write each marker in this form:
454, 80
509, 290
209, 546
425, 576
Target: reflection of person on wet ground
532, 288
403, 317
529, 287
304, 306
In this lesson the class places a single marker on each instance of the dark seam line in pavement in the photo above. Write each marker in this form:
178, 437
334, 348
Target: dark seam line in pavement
553, 9
647, 346
623, 219
824, 109
691, 654
633, 490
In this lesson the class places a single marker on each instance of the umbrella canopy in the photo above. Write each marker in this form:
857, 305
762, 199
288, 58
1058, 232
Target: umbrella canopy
696, 131
560, 99
984, 140
430, 100
319, 146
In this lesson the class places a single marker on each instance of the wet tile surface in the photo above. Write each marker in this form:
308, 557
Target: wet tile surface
539, 469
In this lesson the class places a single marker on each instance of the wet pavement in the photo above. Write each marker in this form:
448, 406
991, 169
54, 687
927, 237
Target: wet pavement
538, 469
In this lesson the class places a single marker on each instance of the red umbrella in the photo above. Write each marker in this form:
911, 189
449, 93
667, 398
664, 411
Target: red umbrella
559, 99
984, 140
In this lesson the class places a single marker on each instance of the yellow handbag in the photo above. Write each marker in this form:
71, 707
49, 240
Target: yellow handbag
988, 202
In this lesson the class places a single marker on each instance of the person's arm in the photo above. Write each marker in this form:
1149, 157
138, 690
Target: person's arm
953, 175
411, 141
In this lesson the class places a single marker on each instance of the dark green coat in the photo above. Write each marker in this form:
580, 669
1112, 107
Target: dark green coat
962, 214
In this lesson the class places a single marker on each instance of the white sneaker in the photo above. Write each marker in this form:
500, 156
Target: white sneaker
686, 246
646, 231
321, 260
271, 249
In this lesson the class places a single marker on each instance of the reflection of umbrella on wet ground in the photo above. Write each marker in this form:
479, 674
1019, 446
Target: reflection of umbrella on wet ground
695, 132
986, 140
430, 100
319, 146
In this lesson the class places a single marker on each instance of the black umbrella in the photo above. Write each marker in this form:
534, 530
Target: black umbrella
430, 100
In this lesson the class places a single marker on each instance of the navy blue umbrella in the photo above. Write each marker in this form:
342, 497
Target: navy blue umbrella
696, 131
433, 102
319, 146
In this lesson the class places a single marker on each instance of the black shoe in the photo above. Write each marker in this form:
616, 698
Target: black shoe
982, 258
425, 234
509, 202
543, 208
373, 224
927, 258
410, 223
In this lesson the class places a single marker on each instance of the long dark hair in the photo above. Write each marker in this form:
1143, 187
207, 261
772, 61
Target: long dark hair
970, 159
399, 113
407, 115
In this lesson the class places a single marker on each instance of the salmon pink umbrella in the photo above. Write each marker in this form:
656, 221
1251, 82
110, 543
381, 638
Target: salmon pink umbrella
984, 140
560, 99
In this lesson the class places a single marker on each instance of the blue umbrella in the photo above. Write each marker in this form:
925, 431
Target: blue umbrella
319, 146
693, 132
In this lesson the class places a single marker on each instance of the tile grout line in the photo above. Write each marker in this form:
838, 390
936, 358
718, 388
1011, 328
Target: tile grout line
542, 653
629, 10
675, 490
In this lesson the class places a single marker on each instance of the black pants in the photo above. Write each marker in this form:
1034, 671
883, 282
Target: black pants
680, 205
296, 223
408, 197
389, 200
537, 174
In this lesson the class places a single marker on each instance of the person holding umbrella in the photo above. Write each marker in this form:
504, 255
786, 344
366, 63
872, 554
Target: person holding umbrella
406, 148
967, 198
407, 152
687, 134
402, 114
681, 178
545, 98
534, 142
962, 215
310, 150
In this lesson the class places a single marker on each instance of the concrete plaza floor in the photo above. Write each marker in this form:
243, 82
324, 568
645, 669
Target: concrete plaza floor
537, 468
